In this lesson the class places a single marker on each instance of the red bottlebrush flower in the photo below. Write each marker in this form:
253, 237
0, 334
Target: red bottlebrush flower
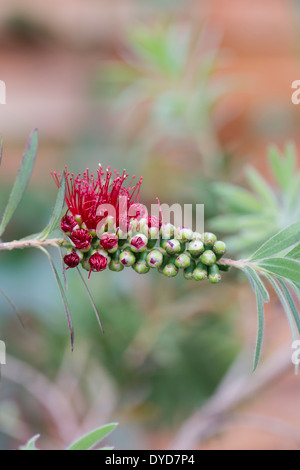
98, 262
68, 223
85, 193
109, 241
72, 259
82, 239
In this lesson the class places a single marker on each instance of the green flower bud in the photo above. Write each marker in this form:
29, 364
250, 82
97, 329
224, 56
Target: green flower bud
167, 231
219, 248
154, 259
141, 266
200, 272
214, 274
183, 234
115, 264
138, 243
183, 260
160, 269
209, 240
78, 219
143, 226
195, 248
153, 233
122, 236
197, 236
208, 258
173, 246
170, 269
127, 258
188, 272
163, 243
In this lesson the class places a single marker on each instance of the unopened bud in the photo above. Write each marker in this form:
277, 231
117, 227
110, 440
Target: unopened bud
209, 240
200, 272
195, 248
197, 236
115, 264
109, 242
78, 219
170, 270
167, 231
138, 243
82, 239
154, 259
127, 258
183, 260
208, 258
68, 224
73, 258
219, 248
214, 275
188, 272
173, 246
133, 227
183, 234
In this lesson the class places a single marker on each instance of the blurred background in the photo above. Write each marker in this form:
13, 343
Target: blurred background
188, 94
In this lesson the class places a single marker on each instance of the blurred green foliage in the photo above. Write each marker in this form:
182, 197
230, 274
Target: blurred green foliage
255, 215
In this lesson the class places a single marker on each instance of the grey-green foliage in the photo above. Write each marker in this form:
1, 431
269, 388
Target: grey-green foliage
167, 74
254, 215
277, 261
86, 442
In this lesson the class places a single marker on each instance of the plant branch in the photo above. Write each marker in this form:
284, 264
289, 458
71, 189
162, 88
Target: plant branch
35, 243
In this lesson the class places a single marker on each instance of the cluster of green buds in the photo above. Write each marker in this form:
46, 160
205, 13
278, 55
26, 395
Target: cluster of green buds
148, 246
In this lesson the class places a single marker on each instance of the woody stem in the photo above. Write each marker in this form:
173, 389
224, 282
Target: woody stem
21, 244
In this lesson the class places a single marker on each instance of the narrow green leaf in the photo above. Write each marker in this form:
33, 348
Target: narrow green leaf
31, 444
291, 304
22, 179
260, 326
93, 437
294, 253
279, 242
237, 199
285, 306
258, 282
63, 296
261, 187
13, 306
284, 267
276, 165
56, 214
91, 299
63, 268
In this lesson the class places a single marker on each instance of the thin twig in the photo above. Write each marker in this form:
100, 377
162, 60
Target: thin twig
21, 244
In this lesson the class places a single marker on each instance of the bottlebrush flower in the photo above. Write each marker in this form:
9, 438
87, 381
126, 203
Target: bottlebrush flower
82, 239
86, 192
